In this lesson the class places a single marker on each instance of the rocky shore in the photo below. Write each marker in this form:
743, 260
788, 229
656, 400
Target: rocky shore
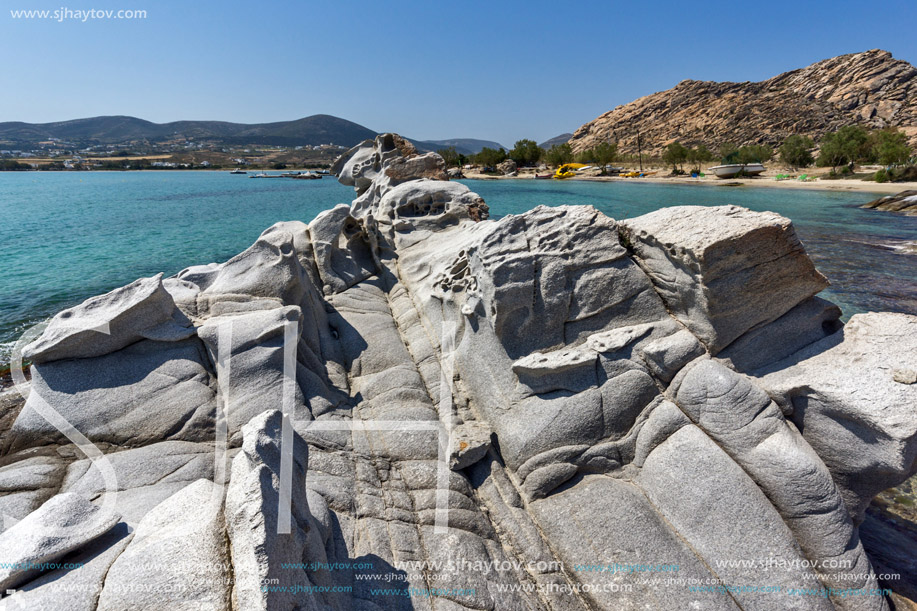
404, 404
904, 202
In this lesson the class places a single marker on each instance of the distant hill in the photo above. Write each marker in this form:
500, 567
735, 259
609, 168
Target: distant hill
465, 146
124, 131
555, 140
120, 130
871, 89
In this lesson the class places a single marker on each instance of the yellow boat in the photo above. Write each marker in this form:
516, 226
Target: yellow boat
568, 170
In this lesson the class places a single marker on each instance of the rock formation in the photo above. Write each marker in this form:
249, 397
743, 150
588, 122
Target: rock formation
407, 405
871, 89
904, 202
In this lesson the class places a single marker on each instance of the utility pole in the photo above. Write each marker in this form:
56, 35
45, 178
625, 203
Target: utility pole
640, 150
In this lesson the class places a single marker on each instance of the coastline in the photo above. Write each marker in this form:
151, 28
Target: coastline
840, 184
818, 184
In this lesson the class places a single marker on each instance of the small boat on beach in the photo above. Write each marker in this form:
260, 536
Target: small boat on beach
543, 176
238, 171
568, 170
731, 170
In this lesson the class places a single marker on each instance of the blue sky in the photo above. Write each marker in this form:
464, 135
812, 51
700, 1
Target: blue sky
430, 70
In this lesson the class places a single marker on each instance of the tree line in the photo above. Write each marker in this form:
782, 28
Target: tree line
527, 153
838, 150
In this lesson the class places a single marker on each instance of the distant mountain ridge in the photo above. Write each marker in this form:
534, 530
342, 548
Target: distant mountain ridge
871, 89
555, 140
124, 130
465, 146
116, 130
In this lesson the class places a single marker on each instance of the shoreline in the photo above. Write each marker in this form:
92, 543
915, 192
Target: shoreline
840, 184
818, 184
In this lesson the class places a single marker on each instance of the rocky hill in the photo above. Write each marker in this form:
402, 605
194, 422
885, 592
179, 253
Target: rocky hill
870, 88
407, 405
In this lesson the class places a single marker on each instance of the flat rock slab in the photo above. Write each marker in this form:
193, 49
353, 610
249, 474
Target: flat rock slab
147, 392
107, 323
64, 523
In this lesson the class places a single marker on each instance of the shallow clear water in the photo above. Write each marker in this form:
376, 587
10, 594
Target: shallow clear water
68, 235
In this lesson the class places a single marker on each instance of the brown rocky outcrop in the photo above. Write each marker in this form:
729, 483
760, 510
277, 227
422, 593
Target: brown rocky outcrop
872, 89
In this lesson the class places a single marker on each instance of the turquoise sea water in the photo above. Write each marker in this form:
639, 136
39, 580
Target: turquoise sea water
67, 236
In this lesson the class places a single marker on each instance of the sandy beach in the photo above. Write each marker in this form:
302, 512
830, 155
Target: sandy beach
765, 180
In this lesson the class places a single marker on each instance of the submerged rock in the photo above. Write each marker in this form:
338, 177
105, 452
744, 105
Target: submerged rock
427, 409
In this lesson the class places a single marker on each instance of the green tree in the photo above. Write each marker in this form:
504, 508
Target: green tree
831, 152
796, 151
450, 156
856, 142
850, 143
675, 154
703, 153
12, 164
604, 153
526, 152
890, 147
489, 157
729, 153
755, 153
559, 154
697, 156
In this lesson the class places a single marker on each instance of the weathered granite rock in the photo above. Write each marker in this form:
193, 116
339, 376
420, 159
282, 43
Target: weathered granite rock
507, 167
27, 483
147, 392
177, 558
807, 323
72, 588
253, 509
545, 411
101, 325
61, 525
255, 363
723, 271
146, 476
747, 425
341, 248
842, 394
269, 271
